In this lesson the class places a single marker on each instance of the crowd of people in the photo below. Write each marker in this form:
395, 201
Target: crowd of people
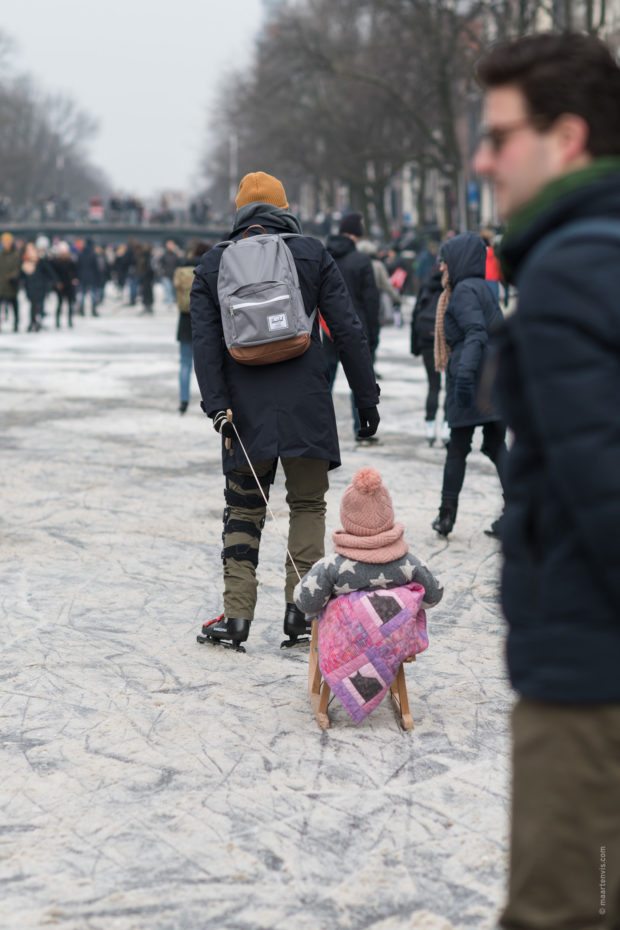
61, 279
73, 277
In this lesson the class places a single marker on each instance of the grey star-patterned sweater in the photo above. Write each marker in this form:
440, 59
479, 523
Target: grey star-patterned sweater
334, 574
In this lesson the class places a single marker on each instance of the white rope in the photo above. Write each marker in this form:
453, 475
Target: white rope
260, 488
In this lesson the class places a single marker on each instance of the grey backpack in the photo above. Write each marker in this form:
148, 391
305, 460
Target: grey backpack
263, 313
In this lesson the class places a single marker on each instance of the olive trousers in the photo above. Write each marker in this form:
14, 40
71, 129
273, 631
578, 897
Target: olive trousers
565, 841
244, 517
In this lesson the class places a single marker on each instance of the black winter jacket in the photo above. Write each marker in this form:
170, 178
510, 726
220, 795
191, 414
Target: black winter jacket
356, 269
424, 313
40, 282
559, 388
472, 314
88, 267
65, 270
284, 409
168, 262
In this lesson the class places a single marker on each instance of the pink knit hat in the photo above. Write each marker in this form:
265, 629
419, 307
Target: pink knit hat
369, 532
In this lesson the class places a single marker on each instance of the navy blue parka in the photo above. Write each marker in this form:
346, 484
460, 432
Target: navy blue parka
559, 389
472, 314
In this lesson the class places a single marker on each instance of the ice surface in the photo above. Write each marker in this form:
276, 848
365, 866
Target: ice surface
149, 782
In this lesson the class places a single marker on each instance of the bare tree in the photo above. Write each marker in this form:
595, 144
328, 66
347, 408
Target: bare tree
43, 144
349, 91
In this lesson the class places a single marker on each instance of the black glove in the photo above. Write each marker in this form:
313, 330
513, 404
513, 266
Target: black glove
223, 425
369, 421
465, 393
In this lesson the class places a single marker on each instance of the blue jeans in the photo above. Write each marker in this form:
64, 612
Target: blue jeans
134, 288
186, 359
169, 291
95, 297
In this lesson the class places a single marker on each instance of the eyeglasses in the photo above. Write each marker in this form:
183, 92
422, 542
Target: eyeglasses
497, 136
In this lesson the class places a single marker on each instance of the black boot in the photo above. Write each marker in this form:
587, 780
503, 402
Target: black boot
296, 627
226, 631
444, 521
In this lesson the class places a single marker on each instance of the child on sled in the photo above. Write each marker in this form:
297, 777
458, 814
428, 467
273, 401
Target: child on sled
369, 597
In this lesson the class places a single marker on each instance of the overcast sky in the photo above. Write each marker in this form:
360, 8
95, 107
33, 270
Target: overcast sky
146, 69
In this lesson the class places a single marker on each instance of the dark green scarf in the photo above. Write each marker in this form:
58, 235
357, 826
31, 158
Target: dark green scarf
560, 187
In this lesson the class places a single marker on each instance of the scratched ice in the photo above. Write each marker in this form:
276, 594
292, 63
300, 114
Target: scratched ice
149, 782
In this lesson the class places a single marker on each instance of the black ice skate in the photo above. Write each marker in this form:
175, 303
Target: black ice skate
444, 522
296, 627
225, 631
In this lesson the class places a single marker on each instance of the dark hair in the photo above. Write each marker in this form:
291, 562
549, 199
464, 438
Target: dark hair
560, 73
196, 248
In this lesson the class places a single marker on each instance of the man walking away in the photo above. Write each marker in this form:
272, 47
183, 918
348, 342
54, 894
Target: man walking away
283, 411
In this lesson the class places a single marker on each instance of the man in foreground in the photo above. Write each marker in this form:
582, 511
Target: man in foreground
552, 150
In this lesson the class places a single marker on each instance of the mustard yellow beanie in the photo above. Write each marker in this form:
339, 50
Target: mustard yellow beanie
259, 187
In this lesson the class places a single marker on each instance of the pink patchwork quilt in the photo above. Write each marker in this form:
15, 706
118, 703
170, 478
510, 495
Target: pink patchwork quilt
363, 639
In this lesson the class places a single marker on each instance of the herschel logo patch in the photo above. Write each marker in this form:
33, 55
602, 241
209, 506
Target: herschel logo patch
277, 321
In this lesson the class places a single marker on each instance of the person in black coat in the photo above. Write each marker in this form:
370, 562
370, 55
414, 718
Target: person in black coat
467, 312
38, 278
357, 271
552, 151
280, 412
423, 343
66, 274
146, 276
89, 277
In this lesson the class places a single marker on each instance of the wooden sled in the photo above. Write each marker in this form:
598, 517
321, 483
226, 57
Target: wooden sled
319, 691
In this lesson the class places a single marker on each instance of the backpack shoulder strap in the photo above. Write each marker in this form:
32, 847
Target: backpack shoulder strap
606, 229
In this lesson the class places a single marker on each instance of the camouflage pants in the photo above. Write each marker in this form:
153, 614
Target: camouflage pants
244, 517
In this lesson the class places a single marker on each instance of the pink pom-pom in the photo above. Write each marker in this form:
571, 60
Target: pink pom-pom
367, 480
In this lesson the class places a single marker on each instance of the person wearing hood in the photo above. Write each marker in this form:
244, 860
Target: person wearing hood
281, 412
10, 260
467, 313
357, 271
